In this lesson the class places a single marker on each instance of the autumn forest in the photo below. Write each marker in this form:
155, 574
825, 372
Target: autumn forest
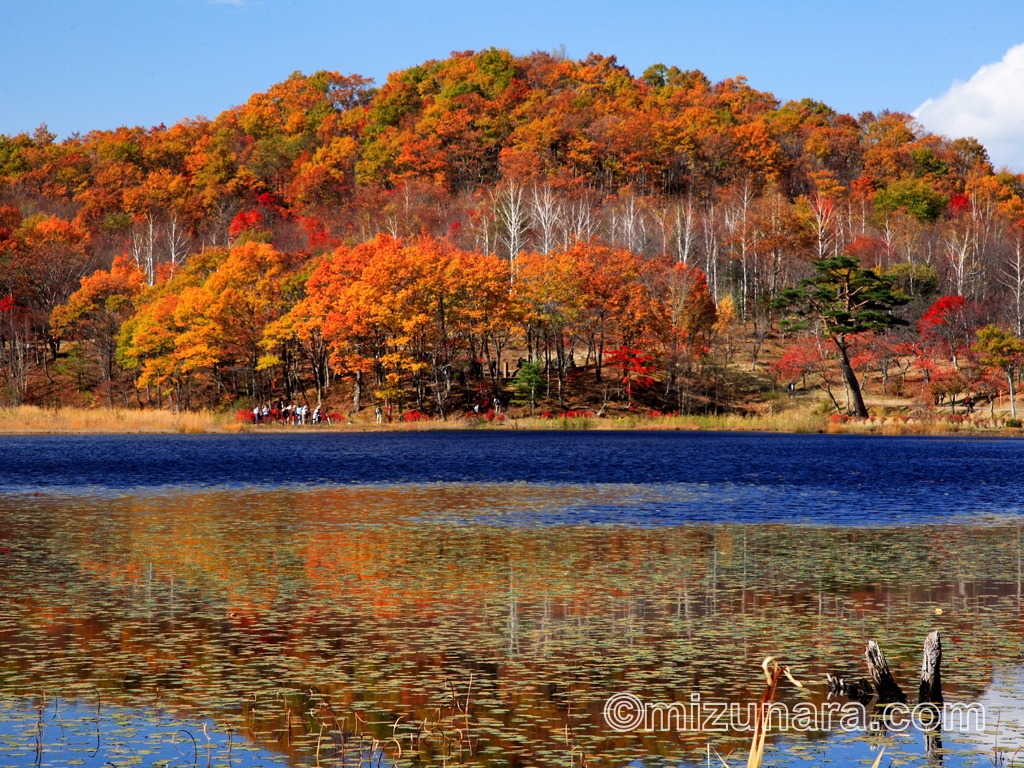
513, 234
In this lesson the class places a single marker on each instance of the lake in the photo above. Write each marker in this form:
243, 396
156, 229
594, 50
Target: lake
476, 597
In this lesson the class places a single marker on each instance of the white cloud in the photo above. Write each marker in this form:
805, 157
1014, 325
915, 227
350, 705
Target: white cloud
989, 107
236, 3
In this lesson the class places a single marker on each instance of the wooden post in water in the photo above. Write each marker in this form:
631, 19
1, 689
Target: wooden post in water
931, 674
931, 693
886, 687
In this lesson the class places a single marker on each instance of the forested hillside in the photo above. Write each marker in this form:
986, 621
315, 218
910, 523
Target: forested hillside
553, 234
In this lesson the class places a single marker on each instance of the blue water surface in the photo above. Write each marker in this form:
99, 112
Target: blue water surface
673, 477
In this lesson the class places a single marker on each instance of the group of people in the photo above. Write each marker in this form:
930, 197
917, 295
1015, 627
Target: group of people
480, 406
287, 413
968, 402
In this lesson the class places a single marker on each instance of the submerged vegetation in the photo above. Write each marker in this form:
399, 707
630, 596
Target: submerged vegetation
626, 243
357, 620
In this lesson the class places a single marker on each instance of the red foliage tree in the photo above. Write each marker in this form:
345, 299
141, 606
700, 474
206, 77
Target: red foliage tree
950, 322
637, 367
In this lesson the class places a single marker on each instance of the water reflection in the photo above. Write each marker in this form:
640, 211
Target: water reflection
444, 620
51, 732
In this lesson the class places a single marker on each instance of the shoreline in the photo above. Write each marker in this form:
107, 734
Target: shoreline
33, 420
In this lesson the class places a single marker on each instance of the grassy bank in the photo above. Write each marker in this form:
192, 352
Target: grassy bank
807, 417
30, 419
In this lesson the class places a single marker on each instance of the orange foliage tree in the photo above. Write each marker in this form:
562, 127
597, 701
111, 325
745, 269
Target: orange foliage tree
97, 310
611, 170
417, 311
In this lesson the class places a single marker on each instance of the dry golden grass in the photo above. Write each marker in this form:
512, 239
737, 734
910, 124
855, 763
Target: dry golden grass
927, 424
807, 416
30, 419
787, 421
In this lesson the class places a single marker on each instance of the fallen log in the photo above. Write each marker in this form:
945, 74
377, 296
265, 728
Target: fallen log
859, 690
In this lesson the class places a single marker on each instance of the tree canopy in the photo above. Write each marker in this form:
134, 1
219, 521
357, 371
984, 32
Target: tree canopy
419, 234
843, 299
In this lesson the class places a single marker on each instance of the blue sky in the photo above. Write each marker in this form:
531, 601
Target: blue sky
83, 64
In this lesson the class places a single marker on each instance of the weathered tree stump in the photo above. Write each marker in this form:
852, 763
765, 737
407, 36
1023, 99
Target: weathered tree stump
886, 687
931, 674
883, 690
933, 748
931, 693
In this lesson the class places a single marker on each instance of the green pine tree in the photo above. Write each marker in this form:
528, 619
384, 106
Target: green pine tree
842, 299
528, 381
